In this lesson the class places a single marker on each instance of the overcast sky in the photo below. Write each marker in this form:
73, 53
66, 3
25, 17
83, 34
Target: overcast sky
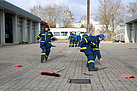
78, 7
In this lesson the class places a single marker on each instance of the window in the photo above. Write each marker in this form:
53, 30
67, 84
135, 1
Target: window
64, 33
122, 25
81, 32
56, 33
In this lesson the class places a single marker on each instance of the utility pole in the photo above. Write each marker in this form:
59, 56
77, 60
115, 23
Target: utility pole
88, 17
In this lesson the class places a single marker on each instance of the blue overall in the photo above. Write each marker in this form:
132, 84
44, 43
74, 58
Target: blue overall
71, 40
90, 46
76, 42
45, 43
84, 35
79, 39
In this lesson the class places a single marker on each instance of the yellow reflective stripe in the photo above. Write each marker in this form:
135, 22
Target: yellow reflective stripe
39, 36
86, 40
96, 48
91, 61
42, 34
42, 41
48, 34
43, 53
49, 42
83, 48
93, 43
51, 37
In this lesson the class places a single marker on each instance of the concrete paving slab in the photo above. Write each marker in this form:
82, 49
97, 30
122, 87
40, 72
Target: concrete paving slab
119, 58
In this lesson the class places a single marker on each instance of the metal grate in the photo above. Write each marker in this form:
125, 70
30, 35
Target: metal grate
80, 81
132, 48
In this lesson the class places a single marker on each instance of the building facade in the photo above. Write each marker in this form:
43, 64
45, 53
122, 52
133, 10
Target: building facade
17, 25
63, 33
131, 29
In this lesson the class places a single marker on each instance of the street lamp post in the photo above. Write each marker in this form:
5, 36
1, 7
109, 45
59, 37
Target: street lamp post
88, 9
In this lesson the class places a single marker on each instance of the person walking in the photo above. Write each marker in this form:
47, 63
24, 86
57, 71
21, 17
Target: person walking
76, 40
45, 44
90, 46
71, 40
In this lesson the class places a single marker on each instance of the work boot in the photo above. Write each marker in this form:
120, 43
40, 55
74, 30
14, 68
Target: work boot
87, 66
93, 69
46, 58
42, 60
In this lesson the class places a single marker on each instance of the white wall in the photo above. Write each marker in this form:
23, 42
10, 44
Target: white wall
68, 30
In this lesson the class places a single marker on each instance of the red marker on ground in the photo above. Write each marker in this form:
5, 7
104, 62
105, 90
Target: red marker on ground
18, 66
127, 76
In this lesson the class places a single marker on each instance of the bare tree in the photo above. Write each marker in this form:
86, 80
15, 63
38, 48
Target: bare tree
110, 13
104, 13
91, 28
83, 20
67, 16
117, 14
83, 17
132, 8
53, 14
37, 10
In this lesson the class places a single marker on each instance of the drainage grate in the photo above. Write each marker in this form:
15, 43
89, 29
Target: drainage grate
80, 81
132, 48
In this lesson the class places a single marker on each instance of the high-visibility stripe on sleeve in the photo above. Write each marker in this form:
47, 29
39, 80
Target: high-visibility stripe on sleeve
49, 42
91, 61
42, 41
96, 48
39, 36
93, 43
51, 38
86, 40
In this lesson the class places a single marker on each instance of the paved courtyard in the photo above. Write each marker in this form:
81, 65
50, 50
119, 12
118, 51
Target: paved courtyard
118, 57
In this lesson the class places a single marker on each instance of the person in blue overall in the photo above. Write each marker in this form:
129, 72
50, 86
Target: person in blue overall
79, 38
90, 46
45, 44
71, 40
84, 35
76, 40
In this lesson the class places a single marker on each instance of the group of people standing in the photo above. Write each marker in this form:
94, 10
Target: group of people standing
88, 44
75, 39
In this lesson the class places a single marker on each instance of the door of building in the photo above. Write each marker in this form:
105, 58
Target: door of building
8, 28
